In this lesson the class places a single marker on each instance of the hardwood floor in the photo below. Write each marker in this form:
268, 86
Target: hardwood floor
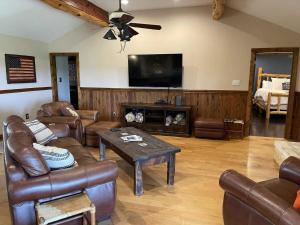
275, 127
196, 198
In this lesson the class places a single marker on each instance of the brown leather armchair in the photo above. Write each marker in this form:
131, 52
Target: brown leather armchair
29, 180
53, 113
266, 203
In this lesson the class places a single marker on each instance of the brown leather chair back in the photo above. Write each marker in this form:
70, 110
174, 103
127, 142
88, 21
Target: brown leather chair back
14, 172
54, 108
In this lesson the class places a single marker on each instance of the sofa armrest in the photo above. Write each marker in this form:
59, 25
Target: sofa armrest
72, 122
290, 170
63, 181
89, 115
60, 130
259, 198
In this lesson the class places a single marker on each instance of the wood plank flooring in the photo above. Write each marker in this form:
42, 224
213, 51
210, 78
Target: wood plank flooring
196, 198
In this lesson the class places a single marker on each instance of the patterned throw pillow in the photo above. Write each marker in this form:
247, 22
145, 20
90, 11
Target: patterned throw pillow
286, 86
68, 111
56, 158
42, 134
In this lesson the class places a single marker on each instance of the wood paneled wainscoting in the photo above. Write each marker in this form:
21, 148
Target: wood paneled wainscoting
296, 118
209, 104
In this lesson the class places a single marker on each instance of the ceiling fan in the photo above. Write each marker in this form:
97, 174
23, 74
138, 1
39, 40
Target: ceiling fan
120, 26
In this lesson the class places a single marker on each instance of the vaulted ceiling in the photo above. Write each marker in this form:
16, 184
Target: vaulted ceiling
284, 13
35, 20
112, 5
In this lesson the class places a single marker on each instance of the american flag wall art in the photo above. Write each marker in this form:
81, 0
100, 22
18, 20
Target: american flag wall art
20, 69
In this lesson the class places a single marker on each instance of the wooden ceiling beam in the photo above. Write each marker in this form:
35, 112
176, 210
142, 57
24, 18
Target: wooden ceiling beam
83, 9
218, 9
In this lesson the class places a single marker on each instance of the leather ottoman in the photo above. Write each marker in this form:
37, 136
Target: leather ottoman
209, 128
92, 138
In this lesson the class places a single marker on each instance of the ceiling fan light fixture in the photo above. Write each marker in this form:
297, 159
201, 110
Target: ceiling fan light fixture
128, 33
110, 35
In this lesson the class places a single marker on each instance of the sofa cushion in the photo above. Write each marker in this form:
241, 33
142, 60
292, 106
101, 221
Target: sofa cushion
19, 127
106, 125
13, 119
87, 123
82, 156
20, 148
64, 142
56, 158
42, 134
284, 189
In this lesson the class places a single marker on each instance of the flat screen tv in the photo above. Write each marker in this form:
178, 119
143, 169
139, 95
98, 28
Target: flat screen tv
161, 70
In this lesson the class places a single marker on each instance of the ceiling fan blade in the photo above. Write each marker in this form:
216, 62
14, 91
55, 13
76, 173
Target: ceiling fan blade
126, 18
145, 26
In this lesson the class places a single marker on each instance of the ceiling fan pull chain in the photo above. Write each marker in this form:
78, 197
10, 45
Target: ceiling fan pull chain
124, 46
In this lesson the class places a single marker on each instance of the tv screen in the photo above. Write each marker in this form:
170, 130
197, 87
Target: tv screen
162, 70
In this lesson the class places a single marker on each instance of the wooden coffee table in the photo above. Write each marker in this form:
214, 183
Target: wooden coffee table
156, 152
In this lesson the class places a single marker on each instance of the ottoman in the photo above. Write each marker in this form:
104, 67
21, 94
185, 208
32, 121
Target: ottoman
209, 128
91, 138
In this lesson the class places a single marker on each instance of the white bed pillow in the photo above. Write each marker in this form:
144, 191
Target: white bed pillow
56, 158
267, 84
277, 83
42, 134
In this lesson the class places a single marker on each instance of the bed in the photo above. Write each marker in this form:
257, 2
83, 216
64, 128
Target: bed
272, 93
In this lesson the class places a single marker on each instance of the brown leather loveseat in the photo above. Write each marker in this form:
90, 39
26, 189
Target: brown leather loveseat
266, 203
29, 180
53, 113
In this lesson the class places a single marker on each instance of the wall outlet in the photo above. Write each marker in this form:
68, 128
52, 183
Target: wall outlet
27, 116
114, 114
236, 83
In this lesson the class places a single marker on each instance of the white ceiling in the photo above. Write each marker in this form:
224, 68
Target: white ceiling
34, 20
112, 5
285, 13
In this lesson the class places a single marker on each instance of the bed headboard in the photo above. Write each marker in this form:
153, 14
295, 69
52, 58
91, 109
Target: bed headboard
268, 76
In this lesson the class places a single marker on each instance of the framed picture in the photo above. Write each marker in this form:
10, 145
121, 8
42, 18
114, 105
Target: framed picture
20, 69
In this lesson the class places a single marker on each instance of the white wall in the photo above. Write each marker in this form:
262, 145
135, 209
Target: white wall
214, 52
26, 102
63, 80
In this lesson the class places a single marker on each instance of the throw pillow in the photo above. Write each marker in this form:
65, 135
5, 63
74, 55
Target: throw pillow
56, 158
277, 83
42, 134
68, 111
297, 201
286, 86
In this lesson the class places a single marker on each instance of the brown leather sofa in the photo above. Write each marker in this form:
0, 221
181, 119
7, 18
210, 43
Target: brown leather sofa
53, 113
29, 180
266, 203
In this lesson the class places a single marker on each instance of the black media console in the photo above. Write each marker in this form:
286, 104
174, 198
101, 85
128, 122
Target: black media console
159, 119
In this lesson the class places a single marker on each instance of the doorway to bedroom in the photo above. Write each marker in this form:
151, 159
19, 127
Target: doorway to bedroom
65, 77
272, 87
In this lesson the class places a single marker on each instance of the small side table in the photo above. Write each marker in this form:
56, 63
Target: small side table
234, 129
64, 208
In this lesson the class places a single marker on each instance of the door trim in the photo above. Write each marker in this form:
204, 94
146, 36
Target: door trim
54, 74
294, 73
